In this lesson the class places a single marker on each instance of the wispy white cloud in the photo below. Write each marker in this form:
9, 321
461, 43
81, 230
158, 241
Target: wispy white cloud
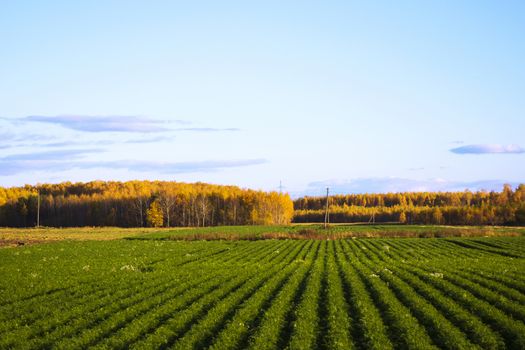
10, 139
63, 160
207, 129
105, 123
60, 155
150, 139
172, 167
51, 161
119, 123
13, 135
488, 149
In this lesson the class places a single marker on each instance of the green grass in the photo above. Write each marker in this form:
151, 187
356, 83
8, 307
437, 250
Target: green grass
316, 231
452, 293
16, 236
12, 237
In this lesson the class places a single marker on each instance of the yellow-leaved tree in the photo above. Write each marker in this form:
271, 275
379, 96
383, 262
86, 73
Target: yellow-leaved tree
154, 215
402, 218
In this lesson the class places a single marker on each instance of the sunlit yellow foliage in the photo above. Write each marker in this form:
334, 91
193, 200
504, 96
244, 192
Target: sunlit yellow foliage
125, 204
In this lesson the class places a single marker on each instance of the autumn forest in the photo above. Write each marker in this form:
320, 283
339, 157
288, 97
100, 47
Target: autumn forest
438, 208
174, 204
140, 204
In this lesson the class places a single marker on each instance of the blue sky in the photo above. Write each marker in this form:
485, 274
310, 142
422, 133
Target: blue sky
356, 95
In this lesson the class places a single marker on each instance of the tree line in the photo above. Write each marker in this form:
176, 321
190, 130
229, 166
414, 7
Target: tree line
448, 208
140, 204
170, 204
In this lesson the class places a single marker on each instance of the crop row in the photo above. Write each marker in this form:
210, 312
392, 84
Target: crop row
274, 294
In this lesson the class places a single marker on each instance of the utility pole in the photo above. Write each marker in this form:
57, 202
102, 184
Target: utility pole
280, 187
38, 210
326, 214
373, 218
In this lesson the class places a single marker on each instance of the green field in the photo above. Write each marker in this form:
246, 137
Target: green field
455, 293
12, 237
337, 231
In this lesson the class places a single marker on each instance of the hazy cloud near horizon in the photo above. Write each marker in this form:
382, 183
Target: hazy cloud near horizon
488, 149
387, 184
28, 148
63, 160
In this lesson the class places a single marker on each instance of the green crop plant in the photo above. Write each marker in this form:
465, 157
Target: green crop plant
282, 293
